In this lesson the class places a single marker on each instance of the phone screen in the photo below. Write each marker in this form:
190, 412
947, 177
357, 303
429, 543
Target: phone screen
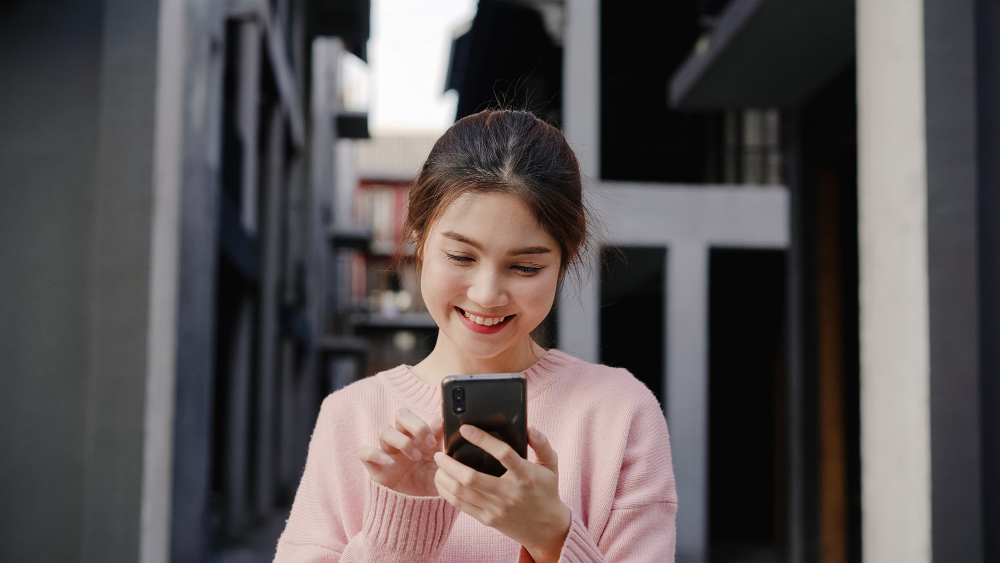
495, 403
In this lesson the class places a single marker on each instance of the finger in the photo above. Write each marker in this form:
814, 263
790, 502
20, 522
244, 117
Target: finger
375, 462
466, 494
468, 477
375, 456
543, 449
496, 448
393, 441
416, 427
437, 428
470, 509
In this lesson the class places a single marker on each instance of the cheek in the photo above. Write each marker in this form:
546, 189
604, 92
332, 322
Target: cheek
540, 297
437, 283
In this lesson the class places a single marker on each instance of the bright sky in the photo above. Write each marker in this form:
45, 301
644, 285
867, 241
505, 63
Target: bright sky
408, 57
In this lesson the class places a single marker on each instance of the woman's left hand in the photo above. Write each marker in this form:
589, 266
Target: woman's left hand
523, 504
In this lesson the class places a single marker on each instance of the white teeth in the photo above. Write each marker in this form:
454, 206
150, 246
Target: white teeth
484, 321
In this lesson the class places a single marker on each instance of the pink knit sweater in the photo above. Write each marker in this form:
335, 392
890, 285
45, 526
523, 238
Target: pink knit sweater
615, 474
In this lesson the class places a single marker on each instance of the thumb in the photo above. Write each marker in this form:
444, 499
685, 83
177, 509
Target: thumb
543, 449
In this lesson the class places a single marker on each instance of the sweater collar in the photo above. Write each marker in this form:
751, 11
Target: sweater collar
422, 397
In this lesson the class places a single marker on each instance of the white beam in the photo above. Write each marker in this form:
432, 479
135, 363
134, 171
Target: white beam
716, 215
892, 222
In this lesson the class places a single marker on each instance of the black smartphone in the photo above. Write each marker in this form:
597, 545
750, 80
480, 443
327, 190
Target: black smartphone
496, 403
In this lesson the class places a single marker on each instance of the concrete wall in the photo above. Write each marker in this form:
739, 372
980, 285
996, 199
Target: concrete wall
48, 174
76, 163
108, 156
953, 284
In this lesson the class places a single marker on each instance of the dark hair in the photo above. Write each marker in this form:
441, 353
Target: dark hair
510, 152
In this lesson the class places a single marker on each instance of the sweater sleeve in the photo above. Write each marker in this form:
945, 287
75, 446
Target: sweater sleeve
642, 524
395, 527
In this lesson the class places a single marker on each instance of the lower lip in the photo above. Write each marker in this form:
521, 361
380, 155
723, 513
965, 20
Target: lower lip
481, 329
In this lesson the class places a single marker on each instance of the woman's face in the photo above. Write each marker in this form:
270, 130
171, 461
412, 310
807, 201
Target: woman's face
489, 273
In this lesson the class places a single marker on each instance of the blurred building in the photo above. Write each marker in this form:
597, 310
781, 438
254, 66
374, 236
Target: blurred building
380, 300
803, 196
802, 253
165, 217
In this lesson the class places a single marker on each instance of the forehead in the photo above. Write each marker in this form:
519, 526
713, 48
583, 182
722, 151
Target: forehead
500, 219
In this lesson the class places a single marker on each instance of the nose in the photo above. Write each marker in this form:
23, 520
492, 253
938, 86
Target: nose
487, 290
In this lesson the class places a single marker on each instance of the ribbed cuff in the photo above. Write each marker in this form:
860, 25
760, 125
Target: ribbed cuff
400, 527
579, 546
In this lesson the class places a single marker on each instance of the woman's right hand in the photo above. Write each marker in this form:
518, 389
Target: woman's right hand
404, 458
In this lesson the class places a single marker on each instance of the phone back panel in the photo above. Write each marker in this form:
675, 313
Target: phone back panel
494, 403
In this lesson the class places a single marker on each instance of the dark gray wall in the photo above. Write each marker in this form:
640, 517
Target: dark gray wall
956, 483
119, 296
50, 53
988, 121
77, 106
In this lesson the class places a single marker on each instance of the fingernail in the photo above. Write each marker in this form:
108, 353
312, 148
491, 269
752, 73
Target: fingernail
467, 431
416, 453
431, 441
387, 460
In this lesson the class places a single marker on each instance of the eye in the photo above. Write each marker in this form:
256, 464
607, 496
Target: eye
526, 270
460, 259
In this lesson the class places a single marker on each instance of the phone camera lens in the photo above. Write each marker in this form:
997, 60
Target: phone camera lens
458, 399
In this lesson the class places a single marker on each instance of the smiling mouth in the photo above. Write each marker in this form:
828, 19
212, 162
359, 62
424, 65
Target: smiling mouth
484, 321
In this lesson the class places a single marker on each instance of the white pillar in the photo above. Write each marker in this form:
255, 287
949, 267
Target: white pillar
892, 222
582, 84
579, 320
686, 343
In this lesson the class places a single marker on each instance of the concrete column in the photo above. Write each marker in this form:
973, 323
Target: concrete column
267, 340
579, 321
687, 392
582, 84
953, 284
202, 44
121, 303
892, 222
987, 20
158, 450
237, 402
248, 108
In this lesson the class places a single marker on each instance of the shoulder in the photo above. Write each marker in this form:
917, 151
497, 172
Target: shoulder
355, 395
579, 379
363, 405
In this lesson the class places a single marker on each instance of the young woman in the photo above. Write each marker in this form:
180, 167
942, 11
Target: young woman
497, 217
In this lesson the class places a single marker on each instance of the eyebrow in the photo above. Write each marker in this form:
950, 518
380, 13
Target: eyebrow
518, 252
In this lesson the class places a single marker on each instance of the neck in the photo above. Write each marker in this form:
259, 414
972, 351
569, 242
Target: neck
446, 360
